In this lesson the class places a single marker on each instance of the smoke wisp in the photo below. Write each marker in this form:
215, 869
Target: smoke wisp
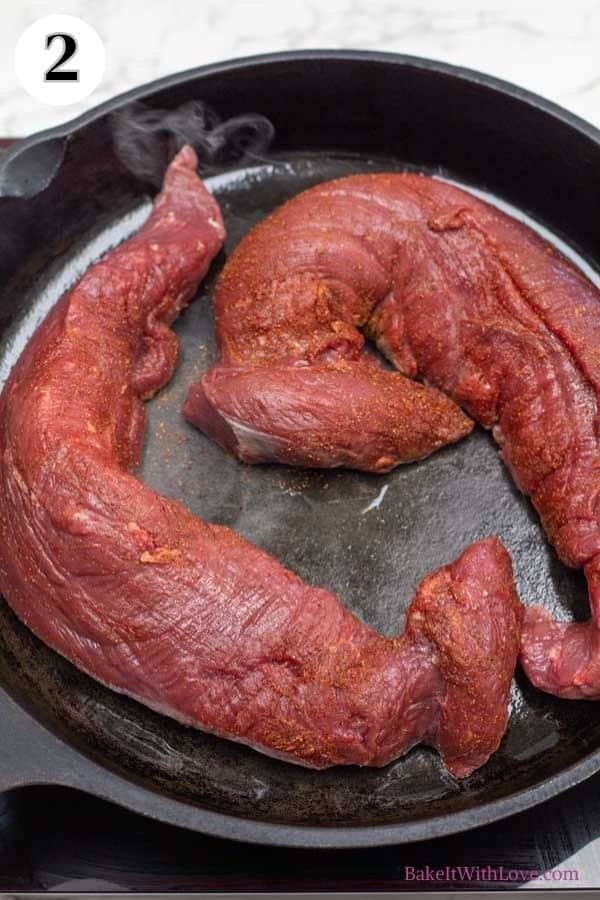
146, 139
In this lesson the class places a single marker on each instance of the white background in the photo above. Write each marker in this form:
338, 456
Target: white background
551, 47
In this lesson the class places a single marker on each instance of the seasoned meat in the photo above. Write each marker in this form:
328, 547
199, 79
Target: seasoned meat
293, 383
186, 616
453, 292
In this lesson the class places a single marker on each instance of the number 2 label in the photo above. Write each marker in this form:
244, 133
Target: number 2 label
55, 73
59, 59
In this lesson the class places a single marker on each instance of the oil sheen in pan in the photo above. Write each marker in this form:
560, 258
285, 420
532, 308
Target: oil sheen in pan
369, 538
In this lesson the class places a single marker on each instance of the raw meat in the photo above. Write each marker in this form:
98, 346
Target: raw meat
186, 616
452, 291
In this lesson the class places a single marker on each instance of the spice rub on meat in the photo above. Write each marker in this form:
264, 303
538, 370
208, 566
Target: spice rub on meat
453, 292
186, 616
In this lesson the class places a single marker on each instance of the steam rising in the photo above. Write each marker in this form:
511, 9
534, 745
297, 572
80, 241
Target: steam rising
147, 139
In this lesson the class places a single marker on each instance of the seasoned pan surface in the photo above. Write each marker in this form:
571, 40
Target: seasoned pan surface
369, 538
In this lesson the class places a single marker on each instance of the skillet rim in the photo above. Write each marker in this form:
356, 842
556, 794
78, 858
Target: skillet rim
472, 76
132, 795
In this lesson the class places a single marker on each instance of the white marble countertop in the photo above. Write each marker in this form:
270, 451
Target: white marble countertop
548, 46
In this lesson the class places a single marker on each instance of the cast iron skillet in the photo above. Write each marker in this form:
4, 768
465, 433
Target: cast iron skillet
65, 197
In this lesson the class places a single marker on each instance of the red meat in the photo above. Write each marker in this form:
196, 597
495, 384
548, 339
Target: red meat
452, 291
186, 616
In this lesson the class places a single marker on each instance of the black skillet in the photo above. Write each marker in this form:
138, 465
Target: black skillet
65, 196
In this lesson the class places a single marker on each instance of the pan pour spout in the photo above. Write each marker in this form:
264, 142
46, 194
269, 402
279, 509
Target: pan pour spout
452, 291
188, 617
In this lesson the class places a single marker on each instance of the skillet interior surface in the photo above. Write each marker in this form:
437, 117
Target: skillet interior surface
369, 538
